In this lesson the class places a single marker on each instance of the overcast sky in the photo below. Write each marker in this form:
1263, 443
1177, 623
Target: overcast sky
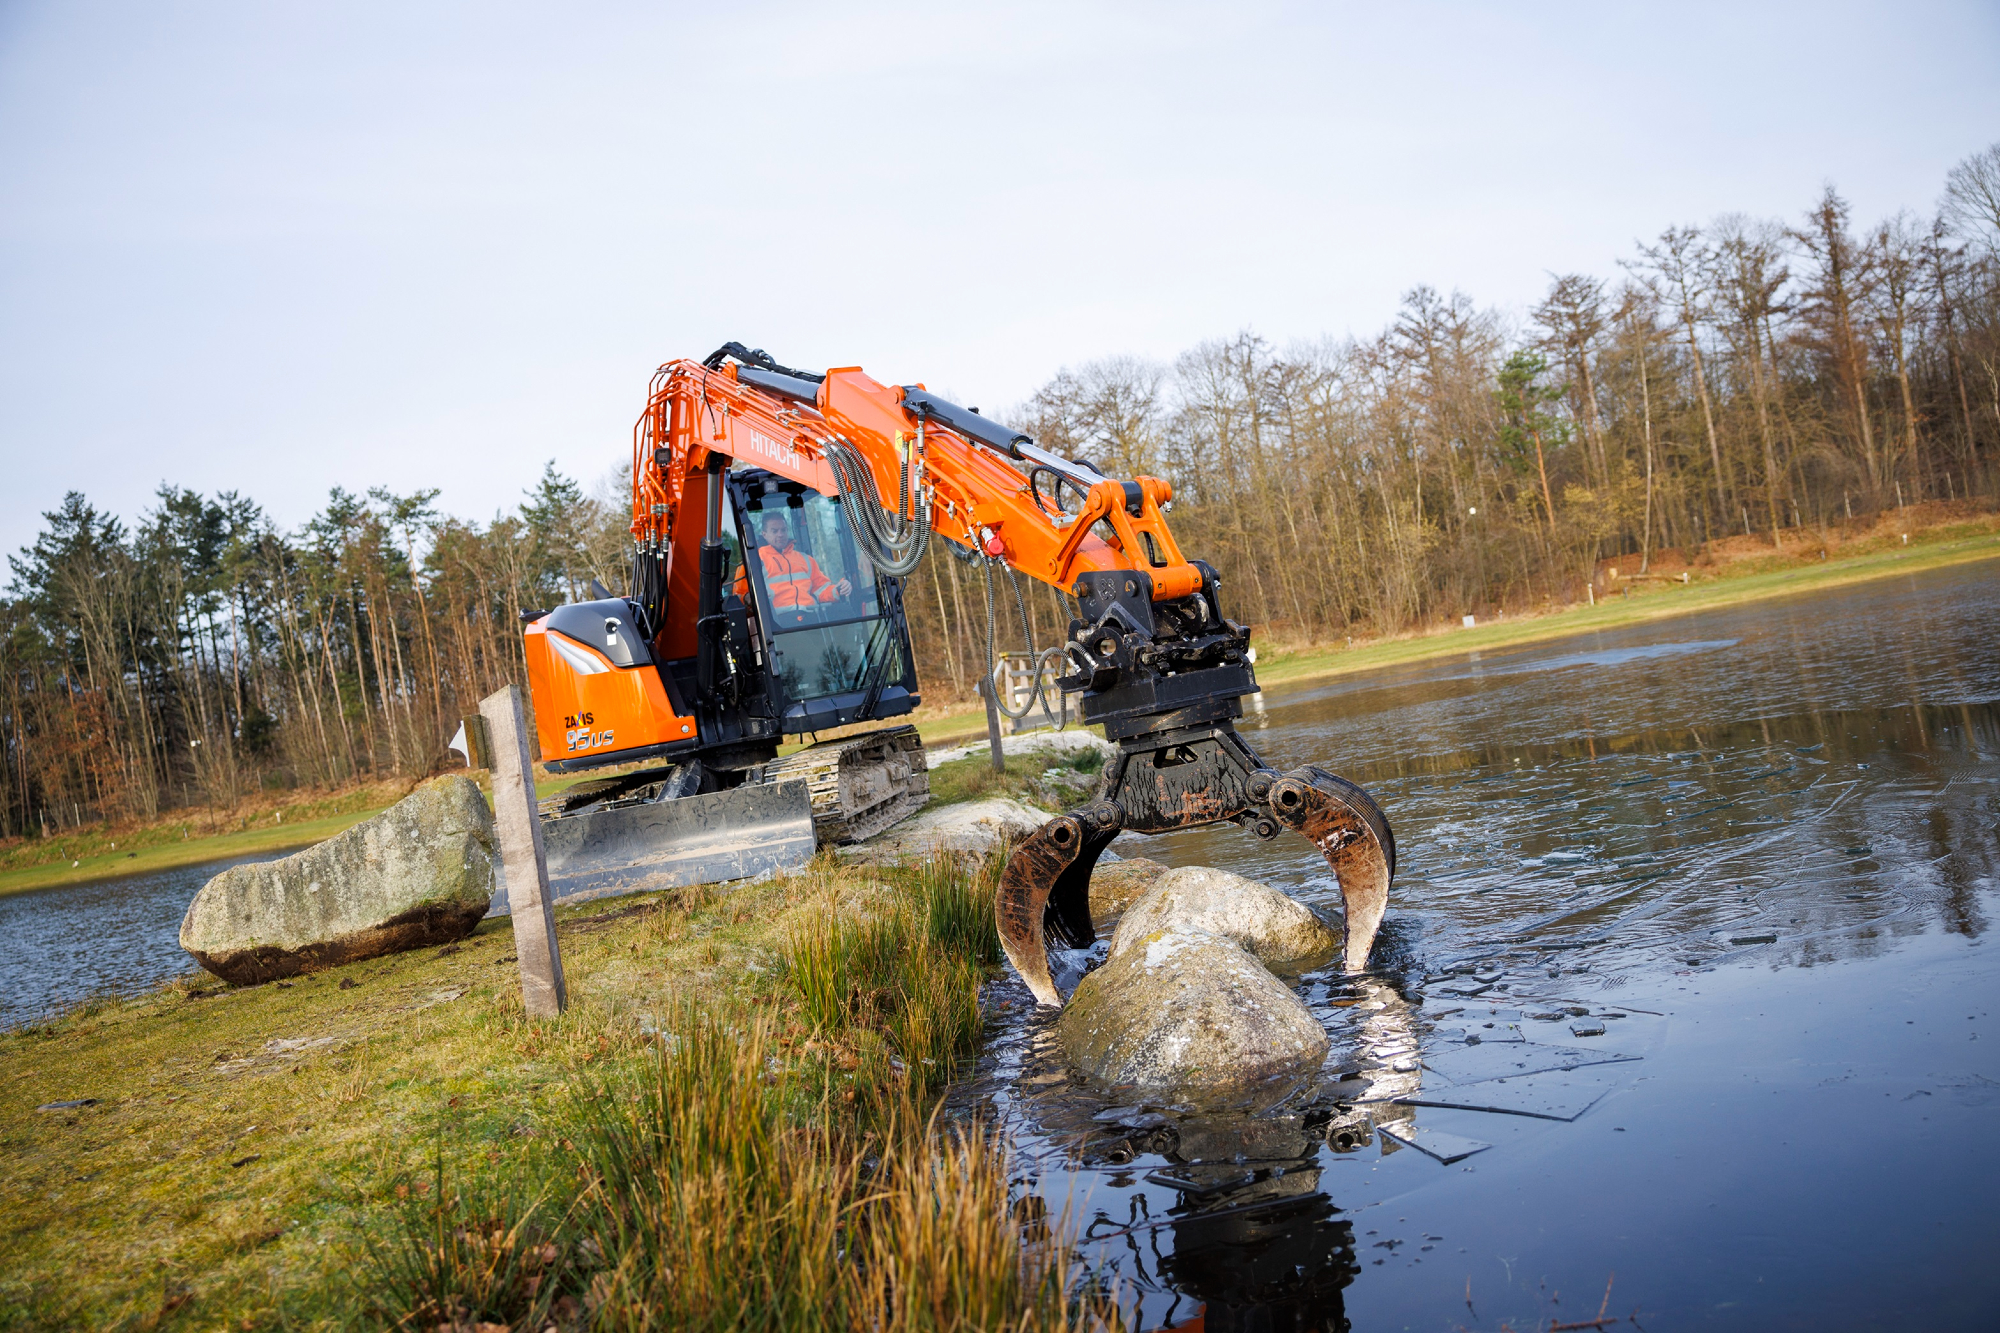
277, 248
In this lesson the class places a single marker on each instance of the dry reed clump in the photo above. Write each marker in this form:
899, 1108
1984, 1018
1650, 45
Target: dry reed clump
730, 1180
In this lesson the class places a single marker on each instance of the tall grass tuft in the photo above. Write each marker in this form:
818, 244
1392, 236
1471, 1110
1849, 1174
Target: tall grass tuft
939, 1246
953, 894
717, 1211
844, 968
720, 1215
745, 1173
936, 1018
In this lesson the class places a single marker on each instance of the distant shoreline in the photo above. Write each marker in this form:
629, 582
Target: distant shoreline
172, 856
1280, 667
1660, 602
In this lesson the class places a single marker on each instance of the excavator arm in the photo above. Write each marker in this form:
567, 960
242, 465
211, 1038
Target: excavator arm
1157, 663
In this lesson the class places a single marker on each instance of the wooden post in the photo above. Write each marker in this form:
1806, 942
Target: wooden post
521, 857
992, 724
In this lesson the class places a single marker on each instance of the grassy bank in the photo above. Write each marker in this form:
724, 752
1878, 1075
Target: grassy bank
1730, 572
192, 837
1051, 781
188, 837
1708, 588
728, 1129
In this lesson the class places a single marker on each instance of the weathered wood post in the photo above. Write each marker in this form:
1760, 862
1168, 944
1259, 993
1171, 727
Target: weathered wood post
522, 859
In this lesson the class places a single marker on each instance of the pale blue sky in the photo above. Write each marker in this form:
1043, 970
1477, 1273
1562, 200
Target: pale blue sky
281, 247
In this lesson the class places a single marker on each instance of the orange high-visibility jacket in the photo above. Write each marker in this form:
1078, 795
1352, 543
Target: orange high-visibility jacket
794, 578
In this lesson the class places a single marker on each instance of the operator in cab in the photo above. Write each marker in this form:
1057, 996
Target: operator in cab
794, 578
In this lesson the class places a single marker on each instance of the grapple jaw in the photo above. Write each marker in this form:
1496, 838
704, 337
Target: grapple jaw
1186, 778
1165, 679
1045, 892
1351, 832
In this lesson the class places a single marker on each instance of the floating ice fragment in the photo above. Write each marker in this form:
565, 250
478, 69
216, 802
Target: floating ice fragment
1548, 1097
1476, 1064
1434, 1143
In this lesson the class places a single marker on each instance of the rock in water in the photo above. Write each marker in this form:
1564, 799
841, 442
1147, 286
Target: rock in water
1193, 1016
1282, 932
421, 873
1116, 885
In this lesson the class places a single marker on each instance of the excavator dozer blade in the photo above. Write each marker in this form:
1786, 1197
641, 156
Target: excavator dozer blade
725, 835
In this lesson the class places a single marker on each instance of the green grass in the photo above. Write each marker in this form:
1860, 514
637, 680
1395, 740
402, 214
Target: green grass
695, 1144
188, 837
1050, 781
192, 851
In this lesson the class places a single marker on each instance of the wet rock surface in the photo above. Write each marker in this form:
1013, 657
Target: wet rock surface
419, 874
1054, 744
1192, 1016
1283, 933
1116, 885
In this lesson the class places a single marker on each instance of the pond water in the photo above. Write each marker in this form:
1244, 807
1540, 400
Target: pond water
113, 937
1759, 848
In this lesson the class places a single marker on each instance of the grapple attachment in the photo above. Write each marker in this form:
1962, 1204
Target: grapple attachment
1164, 679
1186, 778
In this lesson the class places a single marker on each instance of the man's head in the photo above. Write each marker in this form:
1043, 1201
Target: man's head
777, 532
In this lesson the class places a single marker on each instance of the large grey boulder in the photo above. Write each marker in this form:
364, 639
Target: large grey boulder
420, 873
1191, 1016
1282, 932
1054, 744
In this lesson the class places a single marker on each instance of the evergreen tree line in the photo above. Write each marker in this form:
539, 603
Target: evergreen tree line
1750, 376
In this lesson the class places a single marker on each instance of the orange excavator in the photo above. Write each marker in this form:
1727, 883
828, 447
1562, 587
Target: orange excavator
766, 603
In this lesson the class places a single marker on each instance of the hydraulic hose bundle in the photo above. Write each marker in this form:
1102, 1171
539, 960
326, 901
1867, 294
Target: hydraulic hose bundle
894, 543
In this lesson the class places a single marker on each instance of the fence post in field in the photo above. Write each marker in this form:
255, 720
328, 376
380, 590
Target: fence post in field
521, 856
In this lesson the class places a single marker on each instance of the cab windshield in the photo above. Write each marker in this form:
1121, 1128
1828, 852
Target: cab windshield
816, 594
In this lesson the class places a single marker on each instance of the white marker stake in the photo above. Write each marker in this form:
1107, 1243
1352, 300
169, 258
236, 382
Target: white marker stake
521, 857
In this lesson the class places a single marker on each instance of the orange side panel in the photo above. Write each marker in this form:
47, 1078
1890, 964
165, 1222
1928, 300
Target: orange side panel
598, 713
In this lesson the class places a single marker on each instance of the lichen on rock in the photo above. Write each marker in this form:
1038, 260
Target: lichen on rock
967, 826
1116, 885
421, 873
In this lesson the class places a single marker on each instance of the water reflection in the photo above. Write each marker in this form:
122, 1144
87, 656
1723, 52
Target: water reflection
113, 937
1793, 783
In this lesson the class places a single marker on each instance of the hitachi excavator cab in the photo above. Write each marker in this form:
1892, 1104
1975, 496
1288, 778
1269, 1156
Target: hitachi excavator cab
837, 644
